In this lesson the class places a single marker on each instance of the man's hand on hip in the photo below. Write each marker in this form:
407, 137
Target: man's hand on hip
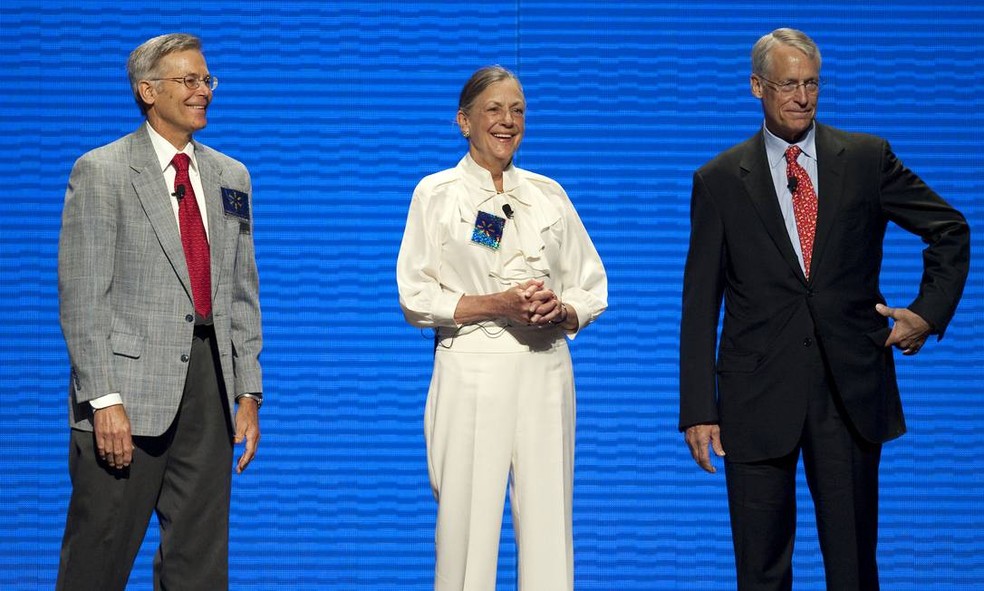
909, 331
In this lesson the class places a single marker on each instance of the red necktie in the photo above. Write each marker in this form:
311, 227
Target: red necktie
193, 237
804, 205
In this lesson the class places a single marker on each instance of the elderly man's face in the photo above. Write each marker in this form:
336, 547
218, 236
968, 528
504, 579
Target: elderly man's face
495, 124
176, 111
787, 115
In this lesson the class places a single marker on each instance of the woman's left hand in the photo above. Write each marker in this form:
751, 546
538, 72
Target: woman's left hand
545, 308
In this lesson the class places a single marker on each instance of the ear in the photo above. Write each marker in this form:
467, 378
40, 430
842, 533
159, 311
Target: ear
148, 92
756, 86
463, 121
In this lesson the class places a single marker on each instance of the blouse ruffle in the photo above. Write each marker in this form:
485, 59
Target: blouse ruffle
521, 257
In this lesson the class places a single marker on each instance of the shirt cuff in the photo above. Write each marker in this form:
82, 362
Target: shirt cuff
106, 401
445, 305
255, 396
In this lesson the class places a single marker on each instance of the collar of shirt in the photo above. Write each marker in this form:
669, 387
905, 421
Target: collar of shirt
775, 147
520, 256
482, 178
165, 151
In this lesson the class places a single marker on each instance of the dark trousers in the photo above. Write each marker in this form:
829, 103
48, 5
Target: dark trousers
184, 475
842, 473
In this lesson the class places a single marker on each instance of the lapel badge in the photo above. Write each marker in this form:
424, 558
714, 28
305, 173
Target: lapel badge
235, 204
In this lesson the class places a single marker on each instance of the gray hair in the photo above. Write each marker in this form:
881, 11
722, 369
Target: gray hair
482, 79
144, 60
761, 52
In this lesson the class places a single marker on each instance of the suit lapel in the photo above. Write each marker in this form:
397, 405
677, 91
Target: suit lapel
148, 182
830, 178
211, 175
761, 190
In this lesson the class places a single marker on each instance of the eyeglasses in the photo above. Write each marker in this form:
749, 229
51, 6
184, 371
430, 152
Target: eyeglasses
787, 88
192, 81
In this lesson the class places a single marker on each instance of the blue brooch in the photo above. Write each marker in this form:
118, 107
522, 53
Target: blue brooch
488, 230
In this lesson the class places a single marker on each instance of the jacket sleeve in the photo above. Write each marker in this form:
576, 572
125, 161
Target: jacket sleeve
86, 258
703, 289
247, 337
909, 202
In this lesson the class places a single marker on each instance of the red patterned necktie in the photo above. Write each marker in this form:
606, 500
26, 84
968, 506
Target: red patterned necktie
804, 205
193, 237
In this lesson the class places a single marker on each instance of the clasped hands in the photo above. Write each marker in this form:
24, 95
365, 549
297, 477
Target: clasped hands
532, 304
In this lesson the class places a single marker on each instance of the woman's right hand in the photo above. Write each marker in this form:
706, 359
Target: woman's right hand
515, 302
516, 305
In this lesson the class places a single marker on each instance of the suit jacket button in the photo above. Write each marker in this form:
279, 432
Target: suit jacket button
189, 318
807, 342
184, 358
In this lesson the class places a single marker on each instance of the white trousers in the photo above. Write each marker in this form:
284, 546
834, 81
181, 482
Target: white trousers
501, 409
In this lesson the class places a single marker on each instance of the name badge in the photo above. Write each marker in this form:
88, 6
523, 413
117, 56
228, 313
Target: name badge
488, 230
235, 203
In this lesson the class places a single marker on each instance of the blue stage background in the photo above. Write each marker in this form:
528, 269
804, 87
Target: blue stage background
338, 109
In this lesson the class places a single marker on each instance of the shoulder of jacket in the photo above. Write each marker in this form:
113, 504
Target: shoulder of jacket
114, 156
219, 158
730, 157
852, 138
111, 150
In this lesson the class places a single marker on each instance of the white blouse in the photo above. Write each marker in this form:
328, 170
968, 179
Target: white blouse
543, 238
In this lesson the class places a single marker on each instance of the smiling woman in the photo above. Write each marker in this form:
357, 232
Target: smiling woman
493, 121
495, 260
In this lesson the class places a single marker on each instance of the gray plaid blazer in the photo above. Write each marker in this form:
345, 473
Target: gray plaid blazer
124, 291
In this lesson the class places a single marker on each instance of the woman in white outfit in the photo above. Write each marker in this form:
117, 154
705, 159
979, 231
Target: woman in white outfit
495, 259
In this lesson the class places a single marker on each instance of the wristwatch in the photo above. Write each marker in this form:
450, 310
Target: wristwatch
257, 397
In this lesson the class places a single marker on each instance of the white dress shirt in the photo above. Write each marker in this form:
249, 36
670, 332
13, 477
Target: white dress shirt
543, 239
165, 153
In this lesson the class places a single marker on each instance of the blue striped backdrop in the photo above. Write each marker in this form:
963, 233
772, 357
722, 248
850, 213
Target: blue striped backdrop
338, 108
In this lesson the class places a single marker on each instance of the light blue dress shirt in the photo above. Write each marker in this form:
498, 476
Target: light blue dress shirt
775, 150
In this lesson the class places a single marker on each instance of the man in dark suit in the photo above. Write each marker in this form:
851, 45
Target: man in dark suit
787, 228
159, 306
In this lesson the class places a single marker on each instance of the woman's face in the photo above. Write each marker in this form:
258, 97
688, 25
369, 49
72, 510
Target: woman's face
495, 124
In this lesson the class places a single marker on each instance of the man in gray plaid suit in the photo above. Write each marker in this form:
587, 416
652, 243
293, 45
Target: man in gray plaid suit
159, 307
